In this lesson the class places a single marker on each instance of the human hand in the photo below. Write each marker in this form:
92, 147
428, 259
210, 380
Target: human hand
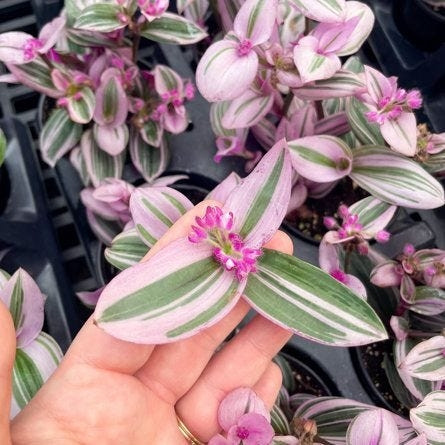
107, 391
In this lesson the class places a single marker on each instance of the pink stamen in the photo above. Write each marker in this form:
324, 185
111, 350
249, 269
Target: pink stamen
189, 91
409, 249
242, 432
382, 236
244, 47
329, 222
31, 47
414, 99
339, 275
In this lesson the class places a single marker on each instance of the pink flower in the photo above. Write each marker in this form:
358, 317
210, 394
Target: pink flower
152, 9
251, 429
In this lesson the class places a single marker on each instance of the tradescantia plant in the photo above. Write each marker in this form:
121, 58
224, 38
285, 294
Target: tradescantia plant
194, 281
37, 355
103, 103
277, 72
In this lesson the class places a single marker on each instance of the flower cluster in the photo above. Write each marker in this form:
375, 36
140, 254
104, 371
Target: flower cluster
229, 249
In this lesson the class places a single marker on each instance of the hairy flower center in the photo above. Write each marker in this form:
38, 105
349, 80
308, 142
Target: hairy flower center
242, 432
244, 47
229, 248
31, 47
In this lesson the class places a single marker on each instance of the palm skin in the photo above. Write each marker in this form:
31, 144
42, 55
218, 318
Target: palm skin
107, 391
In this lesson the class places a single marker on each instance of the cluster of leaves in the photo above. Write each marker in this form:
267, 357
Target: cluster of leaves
277, 73
85, 60
335, 420
37, 355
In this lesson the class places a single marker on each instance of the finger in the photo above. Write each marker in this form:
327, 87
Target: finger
269, 384
7, 356
240, 363
160, 372
94, 347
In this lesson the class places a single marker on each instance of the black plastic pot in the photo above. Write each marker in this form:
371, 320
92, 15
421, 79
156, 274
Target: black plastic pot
422, 26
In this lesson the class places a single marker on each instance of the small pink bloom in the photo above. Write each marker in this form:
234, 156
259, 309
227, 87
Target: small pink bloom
244, 47
329, 222
31, 47
414, 99
251, 429
409, 249
189, 91
382, 236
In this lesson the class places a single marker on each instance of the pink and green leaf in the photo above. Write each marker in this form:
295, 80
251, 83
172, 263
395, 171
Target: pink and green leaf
222, 191
81, 109
260, 201
175, 294
172, 28
329, 11
100, 17
393, 178
59, 134
300, 297
111, 139
321, 158
126, 249
428, 301
155, 209
25, 302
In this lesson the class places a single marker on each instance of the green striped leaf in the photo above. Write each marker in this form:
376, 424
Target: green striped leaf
155, 209
172, 28
99, 164
334, 414
301, 297
176, 293
81, 110
428, 300
149, 161
2, 146
321, 158
429, 418
126, 250
100, 17
393, 178
322, 10
287, 373
217, 111
59, 134
366, 132
4, 277
279, 421
427, 359
435, 163
33, 365
78, 162
342, 84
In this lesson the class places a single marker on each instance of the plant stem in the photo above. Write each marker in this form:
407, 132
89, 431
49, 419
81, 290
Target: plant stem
136, 41
287, 103
347, 261
319, 109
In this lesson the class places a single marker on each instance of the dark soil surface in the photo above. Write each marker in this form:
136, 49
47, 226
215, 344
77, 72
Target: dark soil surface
308, 219
372, 359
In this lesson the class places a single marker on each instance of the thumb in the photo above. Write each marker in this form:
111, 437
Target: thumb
7, 356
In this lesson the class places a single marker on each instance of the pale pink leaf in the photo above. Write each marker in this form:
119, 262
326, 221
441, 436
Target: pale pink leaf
323, 11
401, 133
255, 20
112, 139
301, 124
373, 427
386, 274
222, 191
11, 47
89, 298
223, 74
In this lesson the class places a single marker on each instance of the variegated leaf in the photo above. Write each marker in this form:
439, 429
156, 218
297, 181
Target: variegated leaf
149, 161
428, 300
81, 109
155, 209
393, 178
418, 387
321, 158
217, 111
343, 83
279, 422
101, 17
113, 140
176, 293
78, 162
260, 201
329, 11
172, 28
4, 277
367, 132
429, 417
227, 10
33, 365
59, 134
427, 359
25, 302
99, 164
152, 133
224, 188
311, 303
373, 214
287, 373
334, 414
126, 250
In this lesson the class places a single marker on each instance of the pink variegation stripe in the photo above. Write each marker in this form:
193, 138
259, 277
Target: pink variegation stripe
25, 302
175, 294
155, 209
373, 427
260, 202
